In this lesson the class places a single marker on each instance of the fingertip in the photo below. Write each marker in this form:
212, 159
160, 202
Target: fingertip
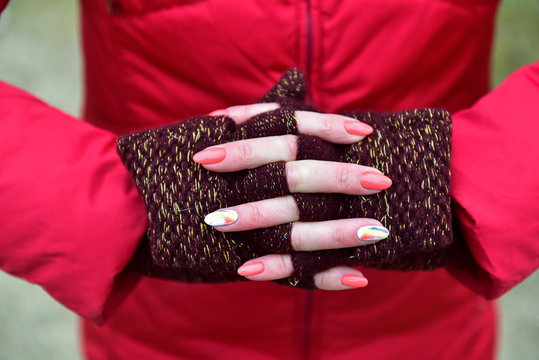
340, 278
371, 234
354, 281
220, 112
210, 156
221, 217
375, 181
251, 268
268, 267
241, 113
357, 128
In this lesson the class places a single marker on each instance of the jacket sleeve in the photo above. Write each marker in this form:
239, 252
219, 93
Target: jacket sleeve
495, 185
70, 216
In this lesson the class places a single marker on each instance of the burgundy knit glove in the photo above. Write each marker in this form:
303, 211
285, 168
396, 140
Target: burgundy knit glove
412, 148
179, 192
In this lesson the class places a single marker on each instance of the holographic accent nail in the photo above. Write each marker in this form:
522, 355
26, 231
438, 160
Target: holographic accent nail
370, 234
221, 217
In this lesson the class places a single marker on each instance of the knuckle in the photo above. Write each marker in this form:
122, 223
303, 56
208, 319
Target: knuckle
296, 238
245, 151
256, 216
293, 175
324, 281
327, 127
291, 144
282, 266
343, 178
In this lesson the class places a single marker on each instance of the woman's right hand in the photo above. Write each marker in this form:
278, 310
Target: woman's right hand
303, 176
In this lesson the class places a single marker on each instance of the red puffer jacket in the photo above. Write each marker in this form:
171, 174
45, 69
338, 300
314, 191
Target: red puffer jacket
71, 218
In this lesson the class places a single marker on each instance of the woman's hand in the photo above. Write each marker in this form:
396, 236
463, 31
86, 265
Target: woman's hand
305, 176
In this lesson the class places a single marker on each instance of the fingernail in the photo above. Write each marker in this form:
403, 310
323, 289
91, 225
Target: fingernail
358, 128
353, 280
251, 269
220, 112
210, 156
221, 217
375, 181
372, 233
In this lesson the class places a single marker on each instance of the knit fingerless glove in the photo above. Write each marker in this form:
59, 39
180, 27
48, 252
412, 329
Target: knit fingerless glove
411, 147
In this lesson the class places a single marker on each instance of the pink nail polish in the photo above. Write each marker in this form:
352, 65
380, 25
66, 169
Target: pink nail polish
353, 280
251, 269
357, 128
210, 156
375, 181
220, 112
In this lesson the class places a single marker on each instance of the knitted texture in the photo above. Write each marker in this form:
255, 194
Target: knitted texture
413, 149
410, 147
179, 192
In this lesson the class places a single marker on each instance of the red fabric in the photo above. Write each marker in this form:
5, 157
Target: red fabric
495, 185
152, 63
65, 195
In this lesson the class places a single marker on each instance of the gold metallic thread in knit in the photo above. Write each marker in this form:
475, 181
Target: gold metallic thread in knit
179, 192
417, 158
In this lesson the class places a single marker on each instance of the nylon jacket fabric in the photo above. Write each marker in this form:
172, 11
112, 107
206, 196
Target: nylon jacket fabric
78, 218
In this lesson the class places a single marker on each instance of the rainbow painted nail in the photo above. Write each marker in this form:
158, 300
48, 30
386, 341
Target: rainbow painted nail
221, 217
371, 234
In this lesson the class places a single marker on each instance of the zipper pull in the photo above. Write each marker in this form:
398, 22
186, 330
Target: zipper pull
113, 6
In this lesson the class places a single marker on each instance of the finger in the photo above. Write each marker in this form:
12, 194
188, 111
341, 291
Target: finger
242, 113
248, 154
336, 234
340, 278
314, 176
274, 267
269, 267
258, 214
305, 176
334, 128
305, 236
337, 129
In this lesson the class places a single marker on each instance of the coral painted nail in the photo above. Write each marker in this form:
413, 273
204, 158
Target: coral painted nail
357, 128
251, 269
353, 280
372, 234
375, 181
220, 112
210, 156
221, 217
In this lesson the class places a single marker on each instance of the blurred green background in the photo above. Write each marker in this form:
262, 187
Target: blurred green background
39, 51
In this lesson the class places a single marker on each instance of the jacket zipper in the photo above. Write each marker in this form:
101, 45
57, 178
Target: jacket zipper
309, 50
307, 320
114, 7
